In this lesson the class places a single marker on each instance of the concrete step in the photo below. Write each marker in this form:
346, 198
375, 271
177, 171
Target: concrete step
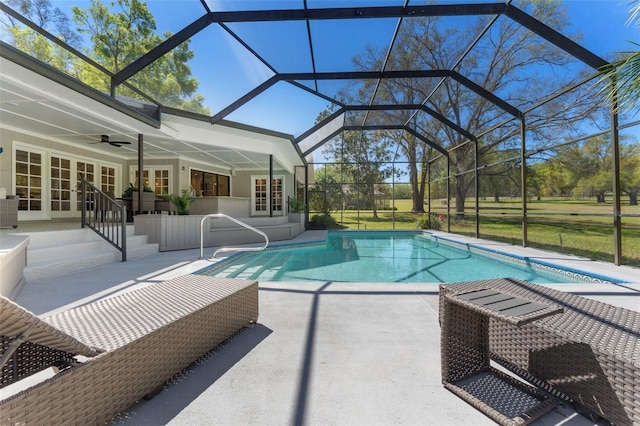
59, 253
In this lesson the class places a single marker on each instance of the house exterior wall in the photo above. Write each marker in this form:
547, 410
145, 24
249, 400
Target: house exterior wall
180, 171
9, 138
11, 141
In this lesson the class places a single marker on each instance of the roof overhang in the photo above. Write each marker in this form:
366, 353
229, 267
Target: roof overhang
37, 100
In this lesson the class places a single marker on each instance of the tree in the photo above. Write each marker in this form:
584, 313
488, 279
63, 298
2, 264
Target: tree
44, 15
622, 77
500, 174
596, 185
630, 173
118, 39
124, 35
402, 191
51, 19
590, 168
552, 178
507, 62
326, 195
366, 157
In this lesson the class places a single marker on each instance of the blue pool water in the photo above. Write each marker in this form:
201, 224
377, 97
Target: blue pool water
370, 256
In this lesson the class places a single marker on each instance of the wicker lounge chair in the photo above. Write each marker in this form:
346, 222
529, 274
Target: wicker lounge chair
132, 342
578, 349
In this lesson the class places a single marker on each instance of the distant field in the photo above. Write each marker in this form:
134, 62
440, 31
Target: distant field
580, 227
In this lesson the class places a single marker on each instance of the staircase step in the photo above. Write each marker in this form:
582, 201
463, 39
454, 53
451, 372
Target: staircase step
59, 253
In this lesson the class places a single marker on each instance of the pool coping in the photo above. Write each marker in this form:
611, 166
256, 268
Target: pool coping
587, 270
529, 261
599, 271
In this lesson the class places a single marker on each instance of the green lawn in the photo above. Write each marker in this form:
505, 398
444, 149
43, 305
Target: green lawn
552, 225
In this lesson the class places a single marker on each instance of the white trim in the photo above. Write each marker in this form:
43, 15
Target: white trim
46, 213
118, 176
281, 212
45, 187
151, 169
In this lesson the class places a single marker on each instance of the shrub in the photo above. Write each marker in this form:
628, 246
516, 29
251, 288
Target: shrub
296, 206
431, 221
323, 220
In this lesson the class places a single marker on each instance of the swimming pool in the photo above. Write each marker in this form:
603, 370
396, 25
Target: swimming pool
383, 256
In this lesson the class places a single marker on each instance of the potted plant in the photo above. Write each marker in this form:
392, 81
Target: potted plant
295, 205
182, 202
128, 193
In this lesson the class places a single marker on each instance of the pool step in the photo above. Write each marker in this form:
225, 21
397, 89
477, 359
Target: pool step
266, 265
56, 253
271, 268
232, 271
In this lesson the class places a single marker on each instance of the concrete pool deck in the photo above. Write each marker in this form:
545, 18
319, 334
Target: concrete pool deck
321, 353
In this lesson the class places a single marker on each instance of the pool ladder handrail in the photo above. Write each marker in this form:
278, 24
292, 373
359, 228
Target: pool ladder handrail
226, 249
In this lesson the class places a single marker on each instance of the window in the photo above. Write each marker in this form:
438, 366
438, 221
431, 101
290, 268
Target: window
161, 181
156, 178
29, 180
145, 178
108, 179
60, 184
207, 184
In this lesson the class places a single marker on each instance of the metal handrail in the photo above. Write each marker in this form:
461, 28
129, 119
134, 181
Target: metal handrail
104, 216
225, 249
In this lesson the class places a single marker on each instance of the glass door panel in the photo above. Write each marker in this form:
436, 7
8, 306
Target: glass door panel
276, 196
61, 187
29, 180
260, 196
86, 170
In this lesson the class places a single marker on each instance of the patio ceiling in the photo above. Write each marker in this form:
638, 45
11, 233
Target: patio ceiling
31, 101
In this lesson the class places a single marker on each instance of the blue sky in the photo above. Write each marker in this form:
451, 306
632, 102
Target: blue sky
600, 22
603, 24
225, 71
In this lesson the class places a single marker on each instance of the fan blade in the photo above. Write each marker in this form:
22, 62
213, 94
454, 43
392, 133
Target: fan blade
105, 139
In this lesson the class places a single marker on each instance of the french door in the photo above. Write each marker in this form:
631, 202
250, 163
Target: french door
30, 182
66, 180
260, 196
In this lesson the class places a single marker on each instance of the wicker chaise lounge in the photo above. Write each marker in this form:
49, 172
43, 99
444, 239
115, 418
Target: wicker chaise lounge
574, 347
132, 342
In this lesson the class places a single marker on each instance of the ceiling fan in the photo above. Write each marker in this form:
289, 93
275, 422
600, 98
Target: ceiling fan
105, 139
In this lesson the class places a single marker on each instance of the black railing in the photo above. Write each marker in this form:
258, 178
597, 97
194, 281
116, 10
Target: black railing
105, 216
